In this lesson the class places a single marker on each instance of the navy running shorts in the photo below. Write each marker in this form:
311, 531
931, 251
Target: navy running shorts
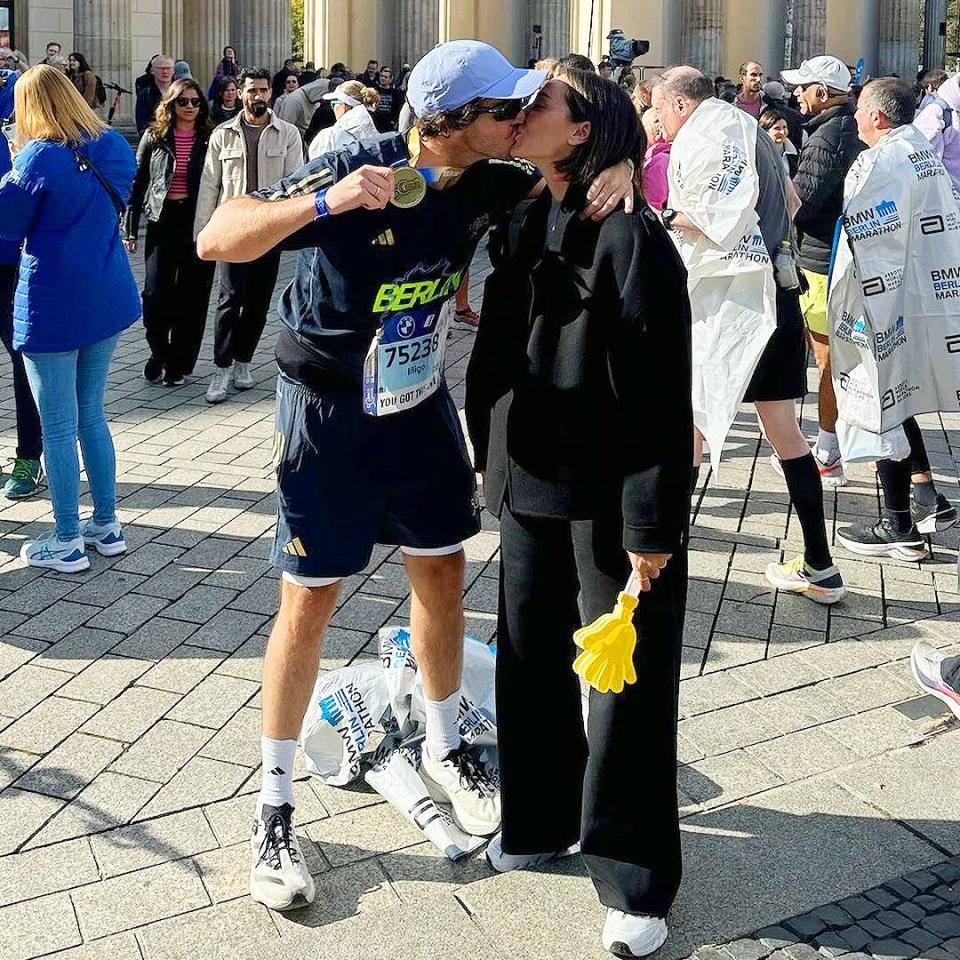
347, 481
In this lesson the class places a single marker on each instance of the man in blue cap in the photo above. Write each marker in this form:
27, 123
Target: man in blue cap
368, 445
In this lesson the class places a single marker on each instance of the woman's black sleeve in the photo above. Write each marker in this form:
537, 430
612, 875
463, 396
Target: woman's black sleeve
650, 368
131, 216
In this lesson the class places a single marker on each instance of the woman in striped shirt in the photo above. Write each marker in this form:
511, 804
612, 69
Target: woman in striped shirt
177, 283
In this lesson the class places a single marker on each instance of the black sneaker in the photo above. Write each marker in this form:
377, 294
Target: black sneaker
173, 379
153, 370
881, 538
933, 519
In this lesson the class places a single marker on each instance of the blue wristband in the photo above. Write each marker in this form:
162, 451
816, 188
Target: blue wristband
320, 205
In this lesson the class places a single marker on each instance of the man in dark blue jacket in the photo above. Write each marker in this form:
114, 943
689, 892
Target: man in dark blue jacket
26, 469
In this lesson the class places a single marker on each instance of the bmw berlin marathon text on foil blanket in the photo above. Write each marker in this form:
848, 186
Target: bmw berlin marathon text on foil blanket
369, 719
714, 183
894, 303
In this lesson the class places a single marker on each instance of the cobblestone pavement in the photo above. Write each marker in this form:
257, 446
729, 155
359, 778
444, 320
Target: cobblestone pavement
811, 770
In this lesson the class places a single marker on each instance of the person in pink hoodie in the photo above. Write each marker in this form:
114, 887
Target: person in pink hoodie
939, 122
655, 163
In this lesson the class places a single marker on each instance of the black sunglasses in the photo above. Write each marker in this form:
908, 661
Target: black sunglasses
507, 110
188, 101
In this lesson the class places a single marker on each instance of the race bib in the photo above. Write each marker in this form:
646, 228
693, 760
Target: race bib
404, 364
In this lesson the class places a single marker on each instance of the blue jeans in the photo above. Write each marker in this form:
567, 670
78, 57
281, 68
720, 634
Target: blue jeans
69, 389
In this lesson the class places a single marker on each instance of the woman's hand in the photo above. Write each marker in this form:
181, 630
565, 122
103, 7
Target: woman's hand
130, 244
647, 566
608, 190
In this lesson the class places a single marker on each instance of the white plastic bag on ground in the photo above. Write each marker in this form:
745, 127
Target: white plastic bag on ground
345, 709
861, 446
394, 775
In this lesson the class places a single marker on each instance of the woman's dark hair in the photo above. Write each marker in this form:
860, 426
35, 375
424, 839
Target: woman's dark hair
615, 131
82, 60
165, 117
221, 86
229, 46
577, 61
770, 118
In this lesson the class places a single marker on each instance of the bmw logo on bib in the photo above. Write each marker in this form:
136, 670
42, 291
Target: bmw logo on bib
406, 327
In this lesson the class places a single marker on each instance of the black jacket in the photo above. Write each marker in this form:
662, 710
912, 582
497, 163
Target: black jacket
148, 99
579, 387
156, 160
824, 162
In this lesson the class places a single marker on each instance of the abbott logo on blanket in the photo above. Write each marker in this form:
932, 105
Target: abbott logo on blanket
875, 221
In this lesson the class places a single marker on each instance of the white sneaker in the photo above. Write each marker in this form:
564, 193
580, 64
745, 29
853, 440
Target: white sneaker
67, 556
926, 662
242, 377
279, 878
219, 385
505, 862
463, 781
633, 935
107, 539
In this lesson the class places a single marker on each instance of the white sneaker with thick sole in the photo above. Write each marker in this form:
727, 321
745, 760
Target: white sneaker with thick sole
925, 663
219, 385
66, 556
279, 878
462, 780
106, 538
505, 862
794, 576
242, 377
631, 935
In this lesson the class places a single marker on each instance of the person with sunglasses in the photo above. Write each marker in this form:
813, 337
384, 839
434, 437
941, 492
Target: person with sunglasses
583, 324
177, 283
369, 448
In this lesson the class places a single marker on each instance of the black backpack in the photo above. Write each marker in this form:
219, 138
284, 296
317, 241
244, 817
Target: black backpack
101, 93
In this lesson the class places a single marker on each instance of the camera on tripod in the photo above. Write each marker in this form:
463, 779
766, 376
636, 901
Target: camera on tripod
624, 50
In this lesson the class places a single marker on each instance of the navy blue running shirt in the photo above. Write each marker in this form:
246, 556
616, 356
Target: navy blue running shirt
357, 268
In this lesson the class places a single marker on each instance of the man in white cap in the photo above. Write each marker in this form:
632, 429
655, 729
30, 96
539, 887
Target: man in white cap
822, 87
368, 446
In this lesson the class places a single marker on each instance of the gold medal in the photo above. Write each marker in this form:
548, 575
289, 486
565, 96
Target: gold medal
409, 187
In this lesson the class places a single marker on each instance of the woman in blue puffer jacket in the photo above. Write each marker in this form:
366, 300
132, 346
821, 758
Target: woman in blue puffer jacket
75, 295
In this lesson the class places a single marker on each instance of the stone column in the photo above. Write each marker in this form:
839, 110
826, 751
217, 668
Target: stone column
808, 33
417, 29
934, 45
262, 32
899, 38
206, 31
102, 32
752, 32
701, 35
173, 28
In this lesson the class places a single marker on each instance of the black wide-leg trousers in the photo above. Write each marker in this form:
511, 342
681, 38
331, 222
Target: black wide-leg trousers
614, 787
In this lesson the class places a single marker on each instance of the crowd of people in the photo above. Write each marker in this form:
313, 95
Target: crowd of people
663, 243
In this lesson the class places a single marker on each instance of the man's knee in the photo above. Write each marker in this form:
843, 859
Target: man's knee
442, 575
304, 611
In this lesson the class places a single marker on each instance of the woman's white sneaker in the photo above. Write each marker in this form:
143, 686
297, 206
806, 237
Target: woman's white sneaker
631, 935
279, 878
66, 556
505, 862
461, 779
106, 538
242, 377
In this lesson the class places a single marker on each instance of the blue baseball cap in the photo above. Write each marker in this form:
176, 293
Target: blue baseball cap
452, 74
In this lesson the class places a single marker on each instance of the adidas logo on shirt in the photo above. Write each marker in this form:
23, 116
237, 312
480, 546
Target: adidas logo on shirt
294, 548
385, 239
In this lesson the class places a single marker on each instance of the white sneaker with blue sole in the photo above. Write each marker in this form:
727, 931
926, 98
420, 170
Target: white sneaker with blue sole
66, 556
106, 538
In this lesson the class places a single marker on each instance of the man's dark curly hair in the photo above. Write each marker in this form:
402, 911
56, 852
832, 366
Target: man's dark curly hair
439, 124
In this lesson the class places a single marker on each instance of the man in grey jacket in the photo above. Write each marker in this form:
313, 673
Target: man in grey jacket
251, 151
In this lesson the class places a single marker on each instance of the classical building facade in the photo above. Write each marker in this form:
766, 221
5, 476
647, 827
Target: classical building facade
118, 36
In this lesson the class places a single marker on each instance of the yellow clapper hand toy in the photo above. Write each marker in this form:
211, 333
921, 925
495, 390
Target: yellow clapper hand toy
606, 663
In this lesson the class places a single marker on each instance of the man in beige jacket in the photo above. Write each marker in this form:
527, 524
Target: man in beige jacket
253, 150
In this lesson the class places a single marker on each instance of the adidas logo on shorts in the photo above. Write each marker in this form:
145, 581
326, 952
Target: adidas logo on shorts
294, 548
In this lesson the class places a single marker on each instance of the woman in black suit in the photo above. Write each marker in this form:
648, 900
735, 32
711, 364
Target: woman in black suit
578, 406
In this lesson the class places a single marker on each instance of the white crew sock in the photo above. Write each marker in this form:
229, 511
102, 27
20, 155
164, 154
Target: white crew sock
827, 447
443, 725
276, 784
